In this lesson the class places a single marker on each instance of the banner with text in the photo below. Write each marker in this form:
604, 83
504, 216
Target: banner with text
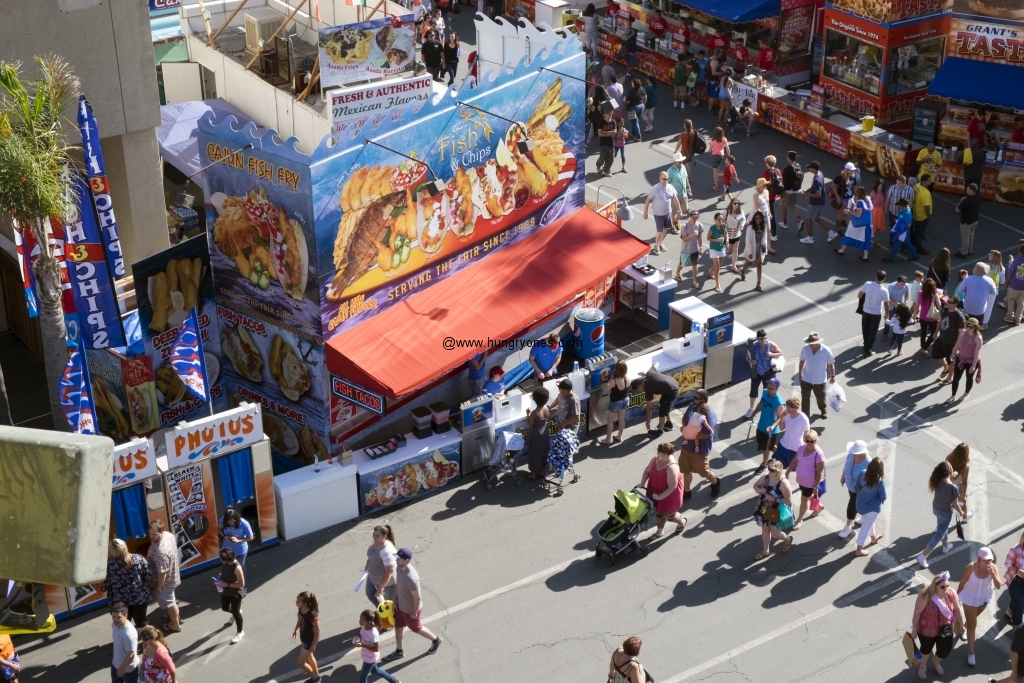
352, 107
369, 49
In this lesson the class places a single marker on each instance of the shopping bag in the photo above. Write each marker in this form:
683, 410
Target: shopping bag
779, 364
815, 502
836, 397
910, 647
786, 520
822, 488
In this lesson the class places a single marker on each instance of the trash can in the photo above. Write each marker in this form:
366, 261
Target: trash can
589, 337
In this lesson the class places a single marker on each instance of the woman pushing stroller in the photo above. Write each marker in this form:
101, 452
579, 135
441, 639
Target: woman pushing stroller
665, 487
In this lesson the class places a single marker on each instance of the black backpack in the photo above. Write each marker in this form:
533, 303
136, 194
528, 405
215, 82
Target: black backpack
775, 185
798, 177
699, 144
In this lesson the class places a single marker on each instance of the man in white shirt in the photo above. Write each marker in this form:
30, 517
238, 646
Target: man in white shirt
125, 666
874, 299
817, 366
794, 425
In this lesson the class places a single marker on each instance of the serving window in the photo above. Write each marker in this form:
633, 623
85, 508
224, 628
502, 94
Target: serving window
854, 62
912, 67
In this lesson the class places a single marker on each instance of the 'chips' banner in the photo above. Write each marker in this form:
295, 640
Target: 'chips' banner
92, 283
99, 187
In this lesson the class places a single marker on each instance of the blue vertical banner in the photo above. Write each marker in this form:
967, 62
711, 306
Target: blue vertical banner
92, 283
99, 187
188, 360
76, 393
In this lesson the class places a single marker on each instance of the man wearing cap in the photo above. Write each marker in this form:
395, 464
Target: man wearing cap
844, 185
680, 182
545, 356
817, 366
409, 607
874, 305
771, 410
815, 201
494, 385
952, 321
654, 383
664, 201
899, 293
695, 454
566, 406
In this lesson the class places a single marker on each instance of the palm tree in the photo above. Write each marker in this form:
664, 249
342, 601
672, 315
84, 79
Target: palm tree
33, 158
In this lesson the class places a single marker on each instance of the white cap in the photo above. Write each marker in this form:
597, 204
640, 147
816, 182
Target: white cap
985, 553
850, 166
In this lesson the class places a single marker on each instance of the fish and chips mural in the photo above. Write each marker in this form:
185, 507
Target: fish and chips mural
304, 247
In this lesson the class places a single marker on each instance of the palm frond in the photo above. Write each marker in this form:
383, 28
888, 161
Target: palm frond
33, 150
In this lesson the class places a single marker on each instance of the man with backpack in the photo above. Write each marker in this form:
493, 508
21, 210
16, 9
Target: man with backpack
793, 181
816, 200
776, 188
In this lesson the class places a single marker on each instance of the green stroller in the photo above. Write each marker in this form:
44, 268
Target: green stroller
633, 513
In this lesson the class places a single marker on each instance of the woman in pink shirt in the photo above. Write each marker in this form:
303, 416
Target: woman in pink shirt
966, 358
157, 665
809, 464
719, 145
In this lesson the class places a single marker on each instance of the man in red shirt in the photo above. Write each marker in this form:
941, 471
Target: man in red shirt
719, 41
1018, 129
657, 25
683, 31
976, 127
766, 57
740, 58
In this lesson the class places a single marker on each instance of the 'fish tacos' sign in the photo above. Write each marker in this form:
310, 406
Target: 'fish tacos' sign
368, 49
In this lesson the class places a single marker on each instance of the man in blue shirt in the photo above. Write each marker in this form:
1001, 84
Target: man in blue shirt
695, 454
545, 357
771, 410
494, 385
477, 374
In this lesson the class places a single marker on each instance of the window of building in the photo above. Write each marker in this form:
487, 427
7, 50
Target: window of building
856, 63
912, 67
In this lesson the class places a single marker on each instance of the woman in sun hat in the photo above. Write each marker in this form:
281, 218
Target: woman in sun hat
856, 465
976, 590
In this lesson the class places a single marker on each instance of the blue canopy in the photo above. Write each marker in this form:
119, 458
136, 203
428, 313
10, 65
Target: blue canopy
737, 11
976, 81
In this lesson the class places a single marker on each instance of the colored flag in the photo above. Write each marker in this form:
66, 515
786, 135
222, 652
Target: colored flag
76, 393
99, 188
187, 358
316, 10
91, 281
24, 240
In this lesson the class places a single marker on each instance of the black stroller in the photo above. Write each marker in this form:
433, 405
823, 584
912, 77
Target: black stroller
633, 513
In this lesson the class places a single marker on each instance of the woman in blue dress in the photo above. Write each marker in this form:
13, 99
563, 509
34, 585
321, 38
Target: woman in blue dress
858, 233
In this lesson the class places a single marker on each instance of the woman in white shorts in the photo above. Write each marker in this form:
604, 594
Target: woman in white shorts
717, 236
976, 591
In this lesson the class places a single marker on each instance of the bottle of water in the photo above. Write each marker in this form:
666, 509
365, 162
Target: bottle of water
575, 366
316, 463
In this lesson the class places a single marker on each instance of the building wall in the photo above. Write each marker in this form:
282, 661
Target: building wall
109, 44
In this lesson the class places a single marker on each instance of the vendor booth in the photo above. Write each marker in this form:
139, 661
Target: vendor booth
186, 480
877, 68
982, 68
784, 27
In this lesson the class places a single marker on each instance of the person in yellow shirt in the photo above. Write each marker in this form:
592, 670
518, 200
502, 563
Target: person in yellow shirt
922, 211
930, 159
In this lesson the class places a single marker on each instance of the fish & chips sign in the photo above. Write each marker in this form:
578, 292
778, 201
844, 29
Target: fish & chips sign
227, 431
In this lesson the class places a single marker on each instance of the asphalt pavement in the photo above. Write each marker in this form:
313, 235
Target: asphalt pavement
509, 575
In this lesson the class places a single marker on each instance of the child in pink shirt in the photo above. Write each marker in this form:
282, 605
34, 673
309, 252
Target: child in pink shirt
368, 642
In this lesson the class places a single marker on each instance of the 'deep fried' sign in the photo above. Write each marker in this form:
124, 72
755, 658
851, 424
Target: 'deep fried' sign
214, 435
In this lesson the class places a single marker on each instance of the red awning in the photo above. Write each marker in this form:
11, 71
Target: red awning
402, 349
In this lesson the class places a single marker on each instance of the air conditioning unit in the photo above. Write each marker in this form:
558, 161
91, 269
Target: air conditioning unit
260, 25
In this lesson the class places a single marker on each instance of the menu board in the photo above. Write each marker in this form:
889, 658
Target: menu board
1013, 155
622, 21
796, 30
369, 49
678, 43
